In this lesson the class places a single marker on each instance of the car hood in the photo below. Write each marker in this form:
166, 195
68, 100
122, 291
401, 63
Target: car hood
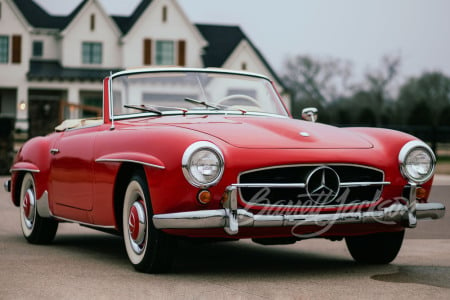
273, 133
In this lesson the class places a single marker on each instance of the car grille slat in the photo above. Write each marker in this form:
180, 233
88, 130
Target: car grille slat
288, 186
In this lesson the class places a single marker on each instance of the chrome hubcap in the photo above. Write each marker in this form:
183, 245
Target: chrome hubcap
29, 210
137, 226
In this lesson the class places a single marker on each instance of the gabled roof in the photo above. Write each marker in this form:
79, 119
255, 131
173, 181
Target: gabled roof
37, 17
126, 22
222, 41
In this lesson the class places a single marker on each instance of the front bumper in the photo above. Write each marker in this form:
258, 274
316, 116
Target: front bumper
231, 218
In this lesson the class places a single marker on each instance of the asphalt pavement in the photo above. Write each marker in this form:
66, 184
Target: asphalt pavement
86, 264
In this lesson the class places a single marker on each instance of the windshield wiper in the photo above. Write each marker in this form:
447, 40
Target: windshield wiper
144, 108
195, 101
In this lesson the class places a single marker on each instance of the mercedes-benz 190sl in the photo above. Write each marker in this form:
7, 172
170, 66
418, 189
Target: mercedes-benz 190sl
211, 153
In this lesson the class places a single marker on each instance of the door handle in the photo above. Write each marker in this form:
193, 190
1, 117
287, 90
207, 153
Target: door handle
54, 151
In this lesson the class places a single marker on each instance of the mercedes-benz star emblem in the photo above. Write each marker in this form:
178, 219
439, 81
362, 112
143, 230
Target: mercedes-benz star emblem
322, 185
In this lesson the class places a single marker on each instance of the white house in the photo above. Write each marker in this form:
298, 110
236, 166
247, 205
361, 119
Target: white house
51, 67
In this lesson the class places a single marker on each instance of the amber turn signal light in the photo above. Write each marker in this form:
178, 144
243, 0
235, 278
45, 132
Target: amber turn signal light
421, 193
204, 197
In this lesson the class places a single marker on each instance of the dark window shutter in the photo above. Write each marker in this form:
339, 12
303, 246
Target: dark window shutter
16, 49
182, 53
147, 51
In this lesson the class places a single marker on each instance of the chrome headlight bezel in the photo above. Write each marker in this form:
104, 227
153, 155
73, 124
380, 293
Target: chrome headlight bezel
196, 152
410, 172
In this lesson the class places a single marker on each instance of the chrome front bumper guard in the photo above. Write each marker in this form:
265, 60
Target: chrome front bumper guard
7, 185
231, 218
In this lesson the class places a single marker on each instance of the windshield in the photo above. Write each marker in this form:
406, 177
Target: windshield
184, 92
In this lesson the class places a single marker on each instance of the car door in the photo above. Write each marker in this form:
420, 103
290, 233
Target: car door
71, 174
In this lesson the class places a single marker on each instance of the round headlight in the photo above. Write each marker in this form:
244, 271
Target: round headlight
417, 162
203, 164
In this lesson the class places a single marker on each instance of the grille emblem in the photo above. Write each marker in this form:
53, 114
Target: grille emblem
322, 185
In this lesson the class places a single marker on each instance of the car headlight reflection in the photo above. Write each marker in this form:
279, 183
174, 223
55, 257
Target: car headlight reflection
417, 162
203, 164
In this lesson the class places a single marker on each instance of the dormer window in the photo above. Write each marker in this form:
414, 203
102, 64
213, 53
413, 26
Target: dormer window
165, 53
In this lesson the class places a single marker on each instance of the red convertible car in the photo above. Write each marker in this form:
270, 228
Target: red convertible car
211, 153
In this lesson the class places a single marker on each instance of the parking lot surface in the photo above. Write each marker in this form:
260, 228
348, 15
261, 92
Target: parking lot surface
86, 264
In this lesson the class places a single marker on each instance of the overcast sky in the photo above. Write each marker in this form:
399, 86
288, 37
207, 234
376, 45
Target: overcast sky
361, 31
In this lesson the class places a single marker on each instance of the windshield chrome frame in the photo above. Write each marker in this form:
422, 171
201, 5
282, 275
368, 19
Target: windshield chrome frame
190, 112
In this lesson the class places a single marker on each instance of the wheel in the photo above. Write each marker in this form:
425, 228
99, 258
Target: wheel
36, 230
379, 248
149, 249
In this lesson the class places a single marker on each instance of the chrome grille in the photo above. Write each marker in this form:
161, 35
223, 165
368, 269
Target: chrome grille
311, 185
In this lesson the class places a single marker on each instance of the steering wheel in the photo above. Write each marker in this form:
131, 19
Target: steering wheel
250, 100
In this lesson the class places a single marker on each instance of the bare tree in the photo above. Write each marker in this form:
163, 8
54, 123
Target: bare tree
379, 80
316, 80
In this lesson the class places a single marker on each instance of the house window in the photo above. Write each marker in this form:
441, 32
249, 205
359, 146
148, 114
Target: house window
4, 49
165, 53
38, 48
92, 53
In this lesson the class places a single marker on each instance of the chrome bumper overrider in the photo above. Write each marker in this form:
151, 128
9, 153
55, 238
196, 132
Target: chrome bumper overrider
7, 185
231, 218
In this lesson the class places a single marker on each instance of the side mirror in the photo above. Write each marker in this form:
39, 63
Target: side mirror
310, 114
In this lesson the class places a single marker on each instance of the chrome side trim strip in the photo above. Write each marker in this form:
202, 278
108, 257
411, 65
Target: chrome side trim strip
100, 160
83, 223
24, 170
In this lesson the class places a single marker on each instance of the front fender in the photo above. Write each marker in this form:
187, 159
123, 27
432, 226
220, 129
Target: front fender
134, 157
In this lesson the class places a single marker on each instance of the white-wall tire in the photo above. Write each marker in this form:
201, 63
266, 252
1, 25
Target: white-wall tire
36, 230
148, 249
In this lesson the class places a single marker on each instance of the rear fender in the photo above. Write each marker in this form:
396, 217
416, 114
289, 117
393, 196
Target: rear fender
33, 157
